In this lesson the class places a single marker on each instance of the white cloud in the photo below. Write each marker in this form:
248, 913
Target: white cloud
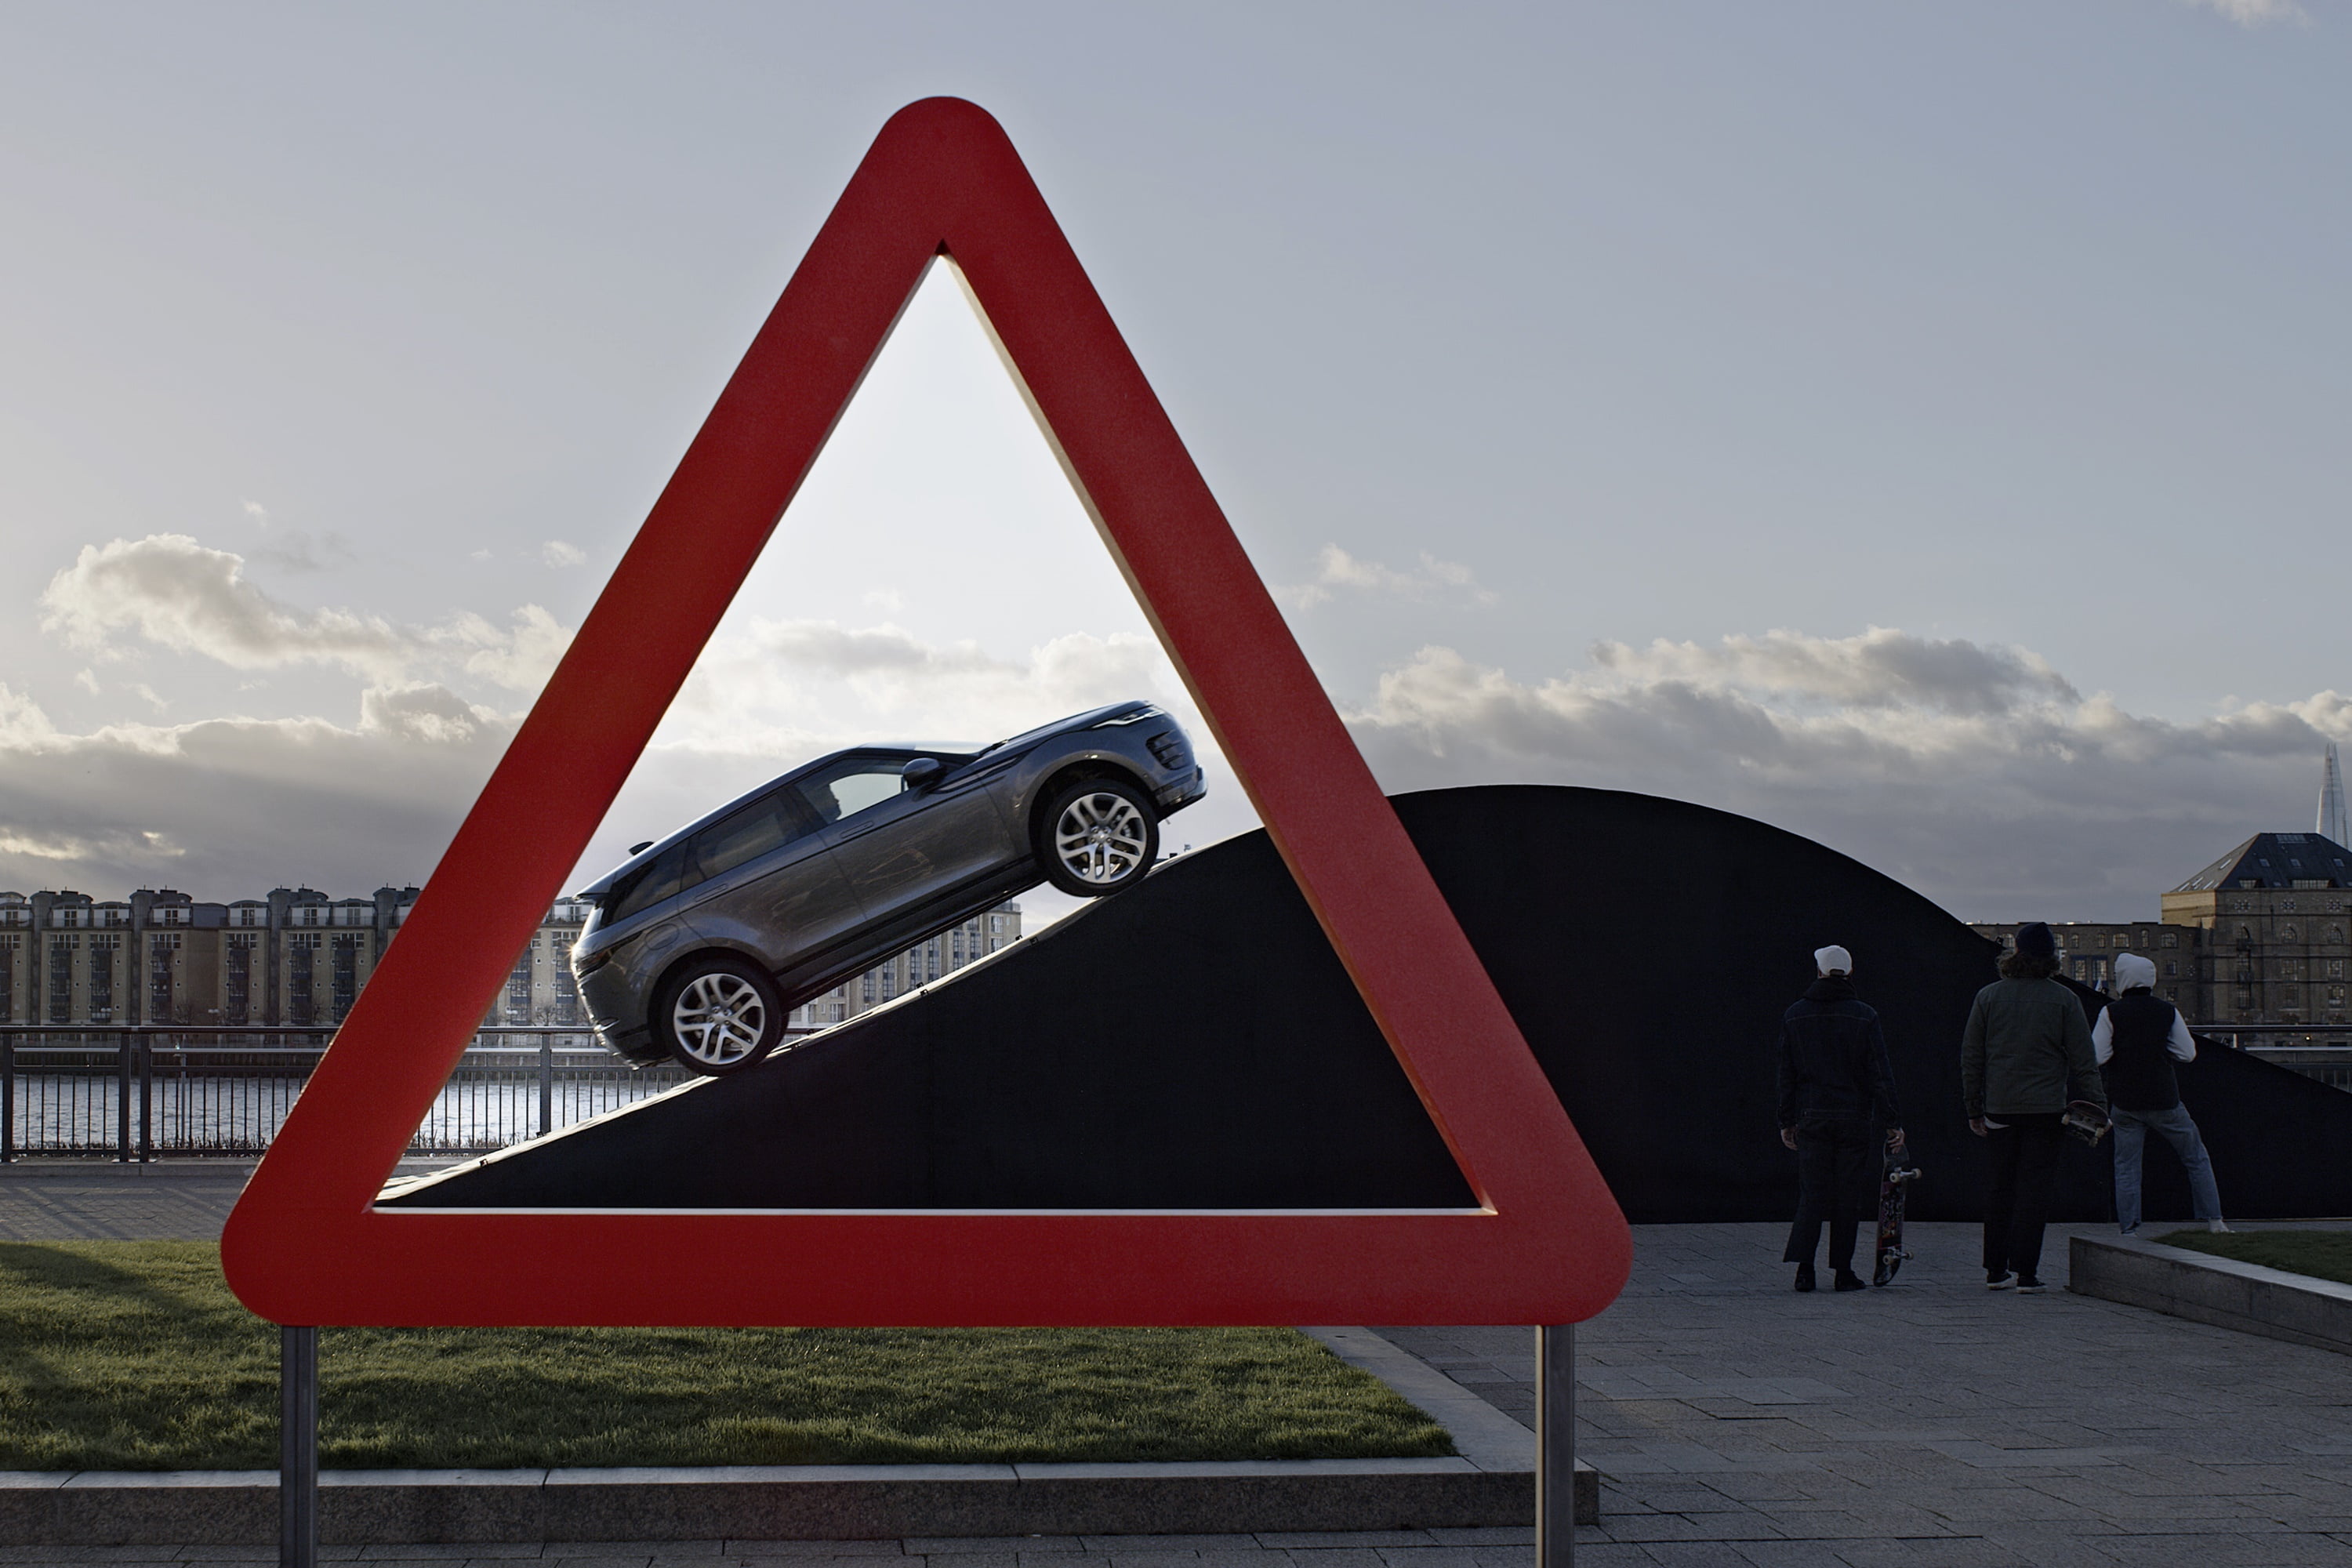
179, 594
292, 550
227, 806
1980, 775
556, 552
2254, 13
1335, 570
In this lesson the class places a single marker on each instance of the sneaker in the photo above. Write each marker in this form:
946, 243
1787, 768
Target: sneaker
2029, 1286
2128, 1229
1847, 1279
1804, 1275
2003, 1280
2218, 1228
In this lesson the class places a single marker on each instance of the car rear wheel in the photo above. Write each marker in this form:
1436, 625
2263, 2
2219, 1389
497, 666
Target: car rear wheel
1097, 836
720, 1015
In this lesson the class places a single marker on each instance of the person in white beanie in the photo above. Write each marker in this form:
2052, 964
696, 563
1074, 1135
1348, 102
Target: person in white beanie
1835, 1082
2136, 1041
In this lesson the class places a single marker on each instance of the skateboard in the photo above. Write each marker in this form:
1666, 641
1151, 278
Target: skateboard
1896, 1175
2086, 1121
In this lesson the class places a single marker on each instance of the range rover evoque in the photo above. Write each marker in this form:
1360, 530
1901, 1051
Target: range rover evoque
701, 944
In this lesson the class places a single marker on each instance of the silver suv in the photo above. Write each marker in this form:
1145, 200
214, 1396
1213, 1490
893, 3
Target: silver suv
702, 943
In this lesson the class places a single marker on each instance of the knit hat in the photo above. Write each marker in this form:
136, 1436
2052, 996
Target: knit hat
2133, 973
1833, 960
2035, 942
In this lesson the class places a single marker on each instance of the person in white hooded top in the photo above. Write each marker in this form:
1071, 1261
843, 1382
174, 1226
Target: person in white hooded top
2137, 1038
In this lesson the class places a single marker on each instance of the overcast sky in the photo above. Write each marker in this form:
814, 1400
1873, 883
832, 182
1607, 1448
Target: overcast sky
1919, 426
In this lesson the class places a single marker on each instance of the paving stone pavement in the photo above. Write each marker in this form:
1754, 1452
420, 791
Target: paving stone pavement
1933, 1422
1733, 1421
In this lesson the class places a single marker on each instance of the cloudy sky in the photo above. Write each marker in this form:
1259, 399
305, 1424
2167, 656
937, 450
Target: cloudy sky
1917, 427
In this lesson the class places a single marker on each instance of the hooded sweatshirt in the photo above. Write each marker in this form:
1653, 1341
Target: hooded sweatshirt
2137, 1038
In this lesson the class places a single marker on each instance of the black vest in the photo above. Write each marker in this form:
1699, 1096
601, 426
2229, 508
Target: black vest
2139, 1073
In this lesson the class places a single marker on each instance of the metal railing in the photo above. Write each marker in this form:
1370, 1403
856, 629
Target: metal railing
139, 1092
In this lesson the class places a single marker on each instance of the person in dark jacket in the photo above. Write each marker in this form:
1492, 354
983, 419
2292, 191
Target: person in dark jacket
1834, 1083
2136, 1041
2026, 1052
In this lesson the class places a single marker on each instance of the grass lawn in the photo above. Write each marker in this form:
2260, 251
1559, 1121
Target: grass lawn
133, 1355
2326, 1253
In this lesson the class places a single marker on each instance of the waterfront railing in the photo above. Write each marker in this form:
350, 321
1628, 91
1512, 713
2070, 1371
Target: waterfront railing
138, 1093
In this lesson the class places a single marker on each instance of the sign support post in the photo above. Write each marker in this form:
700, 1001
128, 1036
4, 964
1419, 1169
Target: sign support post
298, 1447
1555, 1445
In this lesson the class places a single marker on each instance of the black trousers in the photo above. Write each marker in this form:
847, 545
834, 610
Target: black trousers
1833, 1181
2025, 1166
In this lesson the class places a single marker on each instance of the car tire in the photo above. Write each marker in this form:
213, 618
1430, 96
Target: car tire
1097, 836
719, 1015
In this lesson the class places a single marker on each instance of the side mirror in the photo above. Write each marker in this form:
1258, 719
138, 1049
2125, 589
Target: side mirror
921, 774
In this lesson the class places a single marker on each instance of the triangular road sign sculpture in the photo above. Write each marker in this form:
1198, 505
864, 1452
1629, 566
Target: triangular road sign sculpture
1546, 1244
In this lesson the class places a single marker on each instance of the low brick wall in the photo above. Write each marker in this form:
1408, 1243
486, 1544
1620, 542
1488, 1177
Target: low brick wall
2217, 1290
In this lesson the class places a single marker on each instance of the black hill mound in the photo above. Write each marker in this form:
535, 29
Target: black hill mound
1195, 1043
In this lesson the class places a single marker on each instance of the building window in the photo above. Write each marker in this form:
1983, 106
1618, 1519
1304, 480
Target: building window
61, 950
301, 961
519, 989
102, 981
2171, 938
2287, 933
865, 986
237, 991
344, 975
2172, 966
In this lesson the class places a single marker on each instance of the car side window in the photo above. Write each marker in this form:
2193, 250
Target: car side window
762, 825
655, 883
859, 783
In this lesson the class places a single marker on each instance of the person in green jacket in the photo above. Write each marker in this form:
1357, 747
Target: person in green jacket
2026, 1053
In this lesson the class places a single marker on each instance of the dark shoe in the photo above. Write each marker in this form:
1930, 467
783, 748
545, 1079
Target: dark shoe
1804, 1275
1999, 1279
2030, 1285
1847, 1279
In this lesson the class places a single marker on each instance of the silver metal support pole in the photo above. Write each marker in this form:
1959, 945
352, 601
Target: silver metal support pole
1555, 1445
298, 1447
546, 1083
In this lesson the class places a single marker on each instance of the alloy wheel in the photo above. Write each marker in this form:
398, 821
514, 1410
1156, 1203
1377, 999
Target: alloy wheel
1101, 837
719, 1018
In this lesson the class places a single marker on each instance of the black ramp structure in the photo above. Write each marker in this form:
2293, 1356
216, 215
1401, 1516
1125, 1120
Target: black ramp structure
1195, 1043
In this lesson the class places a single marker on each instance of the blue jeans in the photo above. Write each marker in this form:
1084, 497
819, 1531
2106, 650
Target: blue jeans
2175, 1127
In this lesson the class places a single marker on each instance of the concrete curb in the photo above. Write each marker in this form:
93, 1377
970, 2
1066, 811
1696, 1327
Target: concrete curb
2218, 1290
785, 1503
1491, 1482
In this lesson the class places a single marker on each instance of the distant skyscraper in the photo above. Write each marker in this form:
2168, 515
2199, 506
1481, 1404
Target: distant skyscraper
2331, 800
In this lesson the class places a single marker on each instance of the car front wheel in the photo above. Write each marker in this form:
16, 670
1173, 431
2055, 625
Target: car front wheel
1098, 837
720, 1015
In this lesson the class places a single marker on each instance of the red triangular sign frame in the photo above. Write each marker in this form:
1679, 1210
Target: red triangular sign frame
1547, 1244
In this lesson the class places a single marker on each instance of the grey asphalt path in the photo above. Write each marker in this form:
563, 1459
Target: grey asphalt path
1733, 1421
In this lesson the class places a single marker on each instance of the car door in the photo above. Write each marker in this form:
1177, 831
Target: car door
765, 878
901, 848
